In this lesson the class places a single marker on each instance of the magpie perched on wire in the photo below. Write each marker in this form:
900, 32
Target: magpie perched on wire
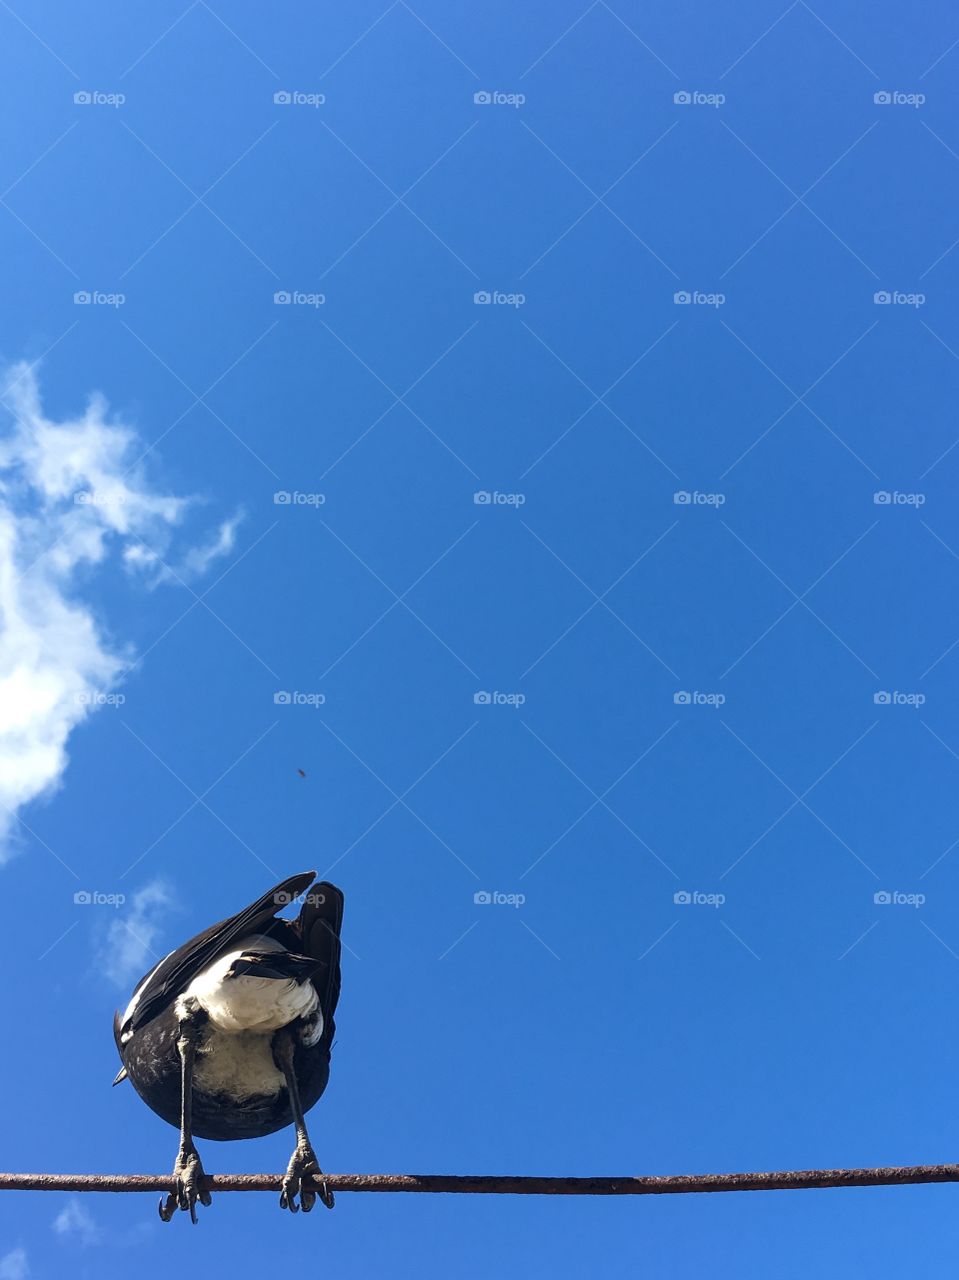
229, 1036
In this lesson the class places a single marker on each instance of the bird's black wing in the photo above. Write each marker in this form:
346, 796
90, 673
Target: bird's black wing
161, 986
320, 919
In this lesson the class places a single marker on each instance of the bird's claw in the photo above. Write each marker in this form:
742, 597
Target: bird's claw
304, 1165
187, 1177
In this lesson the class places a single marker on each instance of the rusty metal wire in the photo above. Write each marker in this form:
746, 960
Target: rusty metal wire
790, 1180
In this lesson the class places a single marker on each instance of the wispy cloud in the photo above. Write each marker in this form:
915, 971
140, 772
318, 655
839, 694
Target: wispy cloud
14, 1265
128, 950
198, 560
193, 564
76, 1222
71, 494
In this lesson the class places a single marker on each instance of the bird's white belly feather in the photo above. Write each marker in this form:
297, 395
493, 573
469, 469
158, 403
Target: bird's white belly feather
238, 1064
251, 1004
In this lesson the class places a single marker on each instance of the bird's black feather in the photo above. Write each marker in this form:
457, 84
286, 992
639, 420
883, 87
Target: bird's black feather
319, 924
274, 964
169, 979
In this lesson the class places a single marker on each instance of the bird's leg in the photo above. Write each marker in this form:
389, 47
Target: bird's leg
303, 1162
188, 1171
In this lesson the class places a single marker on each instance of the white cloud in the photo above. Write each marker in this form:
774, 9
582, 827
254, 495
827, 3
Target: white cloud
14, 1265
128, 950
198, 560
193, 565
71, 492
75, 1221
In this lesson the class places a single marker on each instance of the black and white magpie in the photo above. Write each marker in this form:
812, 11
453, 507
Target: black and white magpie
229, 1036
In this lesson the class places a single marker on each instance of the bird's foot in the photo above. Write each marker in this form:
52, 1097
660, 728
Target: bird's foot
303, 1165
187, 1177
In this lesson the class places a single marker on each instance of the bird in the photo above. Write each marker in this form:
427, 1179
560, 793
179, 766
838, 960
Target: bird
229, 1036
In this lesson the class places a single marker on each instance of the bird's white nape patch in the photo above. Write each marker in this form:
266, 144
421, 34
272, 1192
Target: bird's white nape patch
246, 1003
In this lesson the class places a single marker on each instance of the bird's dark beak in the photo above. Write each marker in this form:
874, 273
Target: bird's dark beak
121, 1076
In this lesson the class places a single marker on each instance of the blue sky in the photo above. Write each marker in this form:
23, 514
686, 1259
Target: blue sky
606, 358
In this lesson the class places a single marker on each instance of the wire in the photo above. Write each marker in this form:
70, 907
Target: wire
789, 1180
